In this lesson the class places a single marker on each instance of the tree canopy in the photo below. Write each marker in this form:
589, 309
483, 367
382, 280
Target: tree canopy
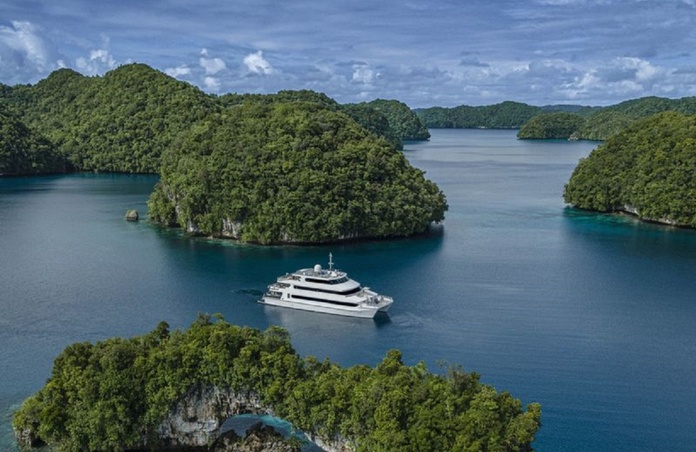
23, 152
124, 121
505, 115
578, 122
293, 172
648, 169
121, 122
112, 395
557, 125
401, 119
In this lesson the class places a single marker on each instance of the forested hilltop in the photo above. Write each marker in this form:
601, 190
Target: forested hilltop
120, 394
294, 172
295, 166
602, 123
401, 119
389, 119
123, 121
648, 170
506, 115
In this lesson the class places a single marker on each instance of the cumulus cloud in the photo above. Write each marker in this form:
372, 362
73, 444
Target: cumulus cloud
629, 69
24, 53
178, 71
363, 74
620, 78
22, 38
211, 83
257, 64
211, 65
99, 61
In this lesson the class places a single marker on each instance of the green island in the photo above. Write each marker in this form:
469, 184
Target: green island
292, 167
505, 115
648, 170
601, 123
150, 391
573, 122
546, 126
295, 172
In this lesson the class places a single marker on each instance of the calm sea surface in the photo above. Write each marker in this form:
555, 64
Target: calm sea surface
592, 316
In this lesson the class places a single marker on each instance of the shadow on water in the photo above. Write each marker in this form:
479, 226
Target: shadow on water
382, 319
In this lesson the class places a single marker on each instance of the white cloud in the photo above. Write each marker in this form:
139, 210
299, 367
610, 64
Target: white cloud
363, 74
620, 78
99, 61
632, 69
211, 83
178, 71
22, 38
23, 52
256, 63
211, 65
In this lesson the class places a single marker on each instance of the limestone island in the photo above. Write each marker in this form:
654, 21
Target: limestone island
291, 173
172, 390
647, 170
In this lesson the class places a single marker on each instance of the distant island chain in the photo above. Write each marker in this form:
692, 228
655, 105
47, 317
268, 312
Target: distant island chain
297, 167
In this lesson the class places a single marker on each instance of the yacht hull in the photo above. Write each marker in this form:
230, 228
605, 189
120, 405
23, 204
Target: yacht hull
366, 312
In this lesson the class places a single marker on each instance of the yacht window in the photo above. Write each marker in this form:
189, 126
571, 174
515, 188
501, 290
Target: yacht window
301, 297
345, 292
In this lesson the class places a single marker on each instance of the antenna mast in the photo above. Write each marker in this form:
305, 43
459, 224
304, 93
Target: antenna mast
330, 262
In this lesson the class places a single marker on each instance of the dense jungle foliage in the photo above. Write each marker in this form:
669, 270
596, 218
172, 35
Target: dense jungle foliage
401, 119
612, 120
551, 126
112, 395
24, 152
373, 121
292, 166
506, 115
368, 116
295, 172
649, 169
124, 121
121, 122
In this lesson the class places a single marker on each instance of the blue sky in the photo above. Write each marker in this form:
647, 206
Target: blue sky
424, 53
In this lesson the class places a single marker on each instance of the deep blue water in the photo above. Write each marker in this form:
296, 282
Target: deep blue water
592, 316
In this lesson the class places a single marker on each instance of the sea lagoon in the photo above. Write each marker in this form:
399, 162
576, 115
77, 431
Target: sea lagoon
590, 315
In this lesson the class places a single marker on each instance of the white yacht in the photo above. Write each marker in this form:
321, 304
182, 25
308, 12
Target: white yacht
330, 291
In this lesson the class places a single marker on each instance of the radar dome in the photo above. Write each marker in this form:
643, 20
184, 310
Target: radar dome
317, 268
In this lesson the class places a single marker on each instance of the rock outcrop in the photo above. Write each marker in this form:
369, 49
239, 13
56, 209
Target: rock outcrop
132, 215
196, 419
258, 438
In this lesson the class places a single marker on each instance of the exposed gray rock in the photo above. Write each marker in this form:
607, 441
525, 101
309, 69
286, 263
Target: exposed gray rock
196, 419
132, 215
258, 438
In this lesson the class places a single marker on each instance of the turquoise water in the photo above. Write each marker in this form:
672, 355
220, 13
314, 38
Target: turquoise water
592, 316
